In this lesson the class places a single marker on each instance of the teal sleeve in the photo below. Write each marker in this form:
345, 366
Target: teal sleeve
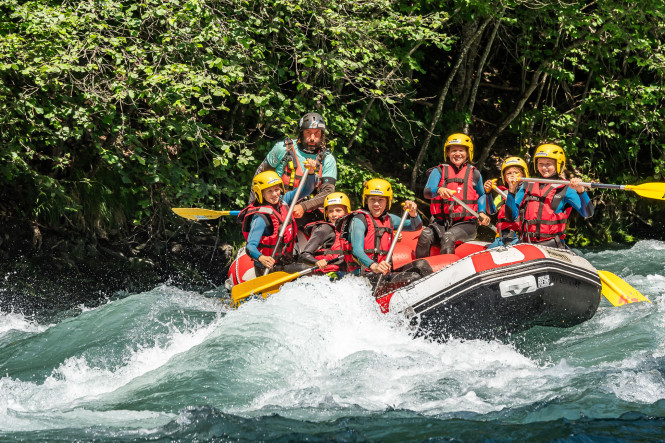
513, 203
432, 184
410, 224
275, 156
490, 204
579, 202
329, 167
357, 237
257, 230
307, 189
480, 190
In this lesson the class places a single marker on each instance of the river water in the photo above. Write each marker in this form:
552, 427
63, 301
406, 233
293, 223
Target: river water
319, 362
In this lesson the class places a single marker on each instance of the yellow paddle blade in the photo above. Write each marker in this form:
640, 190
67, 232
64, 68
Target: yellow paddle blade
201, 214
264, 285
649, 190
618, 291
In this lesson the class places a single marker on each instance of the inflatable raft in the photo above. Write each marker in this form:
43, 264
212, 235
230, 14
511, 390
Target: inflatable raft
479, 293
490, 293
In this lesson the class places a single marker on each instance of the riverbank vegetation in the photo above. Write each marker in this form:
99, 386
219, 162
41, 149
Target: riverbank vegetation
112, 112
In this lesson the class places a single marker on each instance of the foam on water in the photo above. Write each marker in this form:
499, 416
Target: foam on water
316, 351
16, 322
334, 347
76, 384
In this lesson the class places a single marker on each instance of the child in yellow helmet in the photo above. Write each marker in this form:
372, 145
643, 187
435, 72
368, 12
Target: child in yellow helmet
458, 177
370, 230
262, 220
512, 169
324, 244
543, 208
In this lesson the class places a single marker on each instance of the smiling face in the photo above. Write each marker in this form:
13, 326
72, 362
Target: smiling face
376, 205
334, 212
271, 195
546, 167
457, 155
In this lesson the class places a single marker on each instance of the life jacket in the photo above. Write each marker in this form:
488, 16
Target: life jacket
503, 223
378, 238
293, 170
539, 221
327, 251
464, 185
274, 218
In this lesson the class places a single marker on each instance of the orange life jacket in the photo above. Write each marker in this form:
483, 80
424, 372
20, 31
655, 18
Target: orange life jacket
503, 223
293, 169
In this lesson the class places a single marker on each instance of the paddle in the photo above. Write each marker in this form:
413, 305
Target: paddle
468, 208
201, 214
618, 291
653, 190
269, 284
392, 248
265, 285
288, 215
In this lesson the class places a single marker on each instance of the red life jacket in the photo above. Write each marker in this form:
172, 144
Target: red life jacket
378, 238
464, 183
503, 223
274, 218
326, 252
539, 221
293, 169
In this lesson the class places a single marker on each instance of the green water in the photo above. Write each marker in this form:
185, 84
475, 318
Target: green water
318, 362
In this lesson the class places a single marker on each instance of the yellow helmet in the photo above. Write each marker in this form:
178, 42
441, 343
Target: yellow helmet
459, 140
336, 198
514, 161
555, 152
265, 180
377, 186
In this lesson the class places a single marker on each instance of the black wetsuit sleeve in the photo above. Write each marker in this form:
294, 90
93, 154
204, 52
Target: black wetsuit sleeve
322, 236
327, 186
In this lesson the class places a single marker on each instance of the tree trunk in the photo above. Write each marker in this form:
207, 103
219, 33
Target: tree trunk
371, 102
439, 105
459, 87
479, 73
535, 81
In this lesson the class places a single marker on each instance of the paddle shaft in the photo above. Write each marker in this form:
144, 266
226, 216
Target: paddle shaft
468, 208
296, 196
499, 191
565, 182
392, 247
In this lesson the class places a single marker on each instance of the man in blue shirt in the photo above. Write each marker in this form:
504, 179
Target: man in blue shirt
287, 158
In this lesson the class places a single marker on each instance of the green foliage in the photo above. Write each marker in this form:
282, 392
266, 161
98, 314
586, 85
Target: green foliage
353, 176
112, 111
